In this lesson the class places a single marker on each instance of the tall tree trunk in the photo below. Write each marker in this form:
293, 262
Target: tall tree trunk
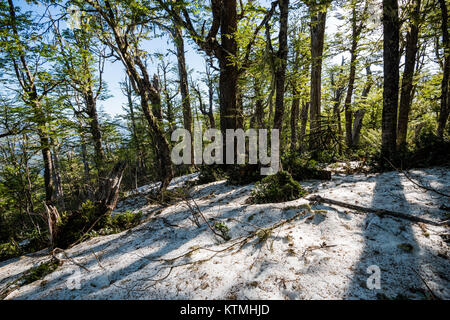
48, 168
182, 75
40, 118
294, 118
256, 121
391, 28
356, 32
94, 126
408, 75
339, 90
359, 114
84, 157
303, 122
445, 92
318, 19
59, 193
280, 73
348, 98
212, 122
230, 116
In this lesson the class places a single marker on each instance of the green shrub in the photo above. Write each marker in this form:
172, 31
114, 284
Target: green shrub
223, 229
87, 223
242, 174
279, 187
210, 173
303, 169
10, 250
39, 272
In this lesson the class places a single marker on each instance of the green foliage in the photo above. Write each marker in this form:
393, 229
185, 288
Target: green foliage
210, 173
39, 272
244, 174
429, 151
9, 250
87, 223
279, 187
303, 169
223, 229
263, 234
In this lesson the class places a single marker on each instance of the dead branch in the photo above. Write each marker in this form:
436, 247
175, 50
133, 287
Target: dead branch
380, 212
415, 182
435, 297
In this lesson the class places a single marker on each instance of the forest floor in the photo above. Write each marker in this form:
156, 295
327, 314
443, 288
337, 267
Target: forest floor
318, 255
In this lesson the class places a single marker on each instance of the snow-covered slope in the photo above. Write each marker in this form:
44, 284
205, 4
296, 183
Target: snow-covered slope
319, 255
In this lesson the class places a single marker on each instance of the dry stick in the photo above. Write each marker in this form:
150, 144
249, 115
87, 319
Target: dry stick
322, 246
416, 183
381, 212
203, 217
426, 284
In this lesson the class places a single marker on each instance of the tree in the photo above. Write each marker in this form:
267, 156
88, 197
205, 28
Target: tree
357, 28
280, 73
412, 37
391, 29
122, 32
445, 92
80, 56
34, 80
318, 14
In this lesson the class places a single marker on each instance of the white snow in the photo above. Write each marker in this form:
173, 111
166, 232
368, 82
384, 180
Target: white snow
290, 264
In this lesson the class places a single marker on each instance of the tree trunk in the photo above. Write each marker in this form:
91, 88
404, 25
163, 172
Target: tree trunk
94, 125
445, 98
280, 73
230, 116
318, 19
359, 114
294, 118
348, 97
408, 75
303, 122
108, 192
29, 86
212, 122
339, 90
59, 193
356, 32
182, 74
391, 78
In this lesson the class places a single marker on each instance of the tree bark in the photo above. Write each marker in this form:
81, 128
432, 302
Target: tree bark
29, 86
408, 74
303, 122
94, 126
318, 19
445, 92
356, 32
391, 28
338, 92
182, 75
280, 73
359, 114
230, 116
294, 118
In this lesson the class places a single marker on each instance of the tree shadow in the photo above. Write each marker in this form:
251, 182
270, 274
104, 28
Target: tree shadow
391, 246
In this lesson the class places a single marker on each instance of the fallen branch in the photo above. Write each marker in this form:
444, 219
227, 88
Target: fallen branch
435, 297
416, 183
380, 212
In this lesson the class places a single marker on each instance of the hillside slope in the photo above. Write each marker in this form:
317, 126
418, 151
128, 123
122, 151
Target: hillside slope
319, 255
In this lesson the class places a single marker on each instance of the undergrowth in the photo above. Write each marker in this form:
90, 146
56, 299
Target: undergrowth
280, 187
